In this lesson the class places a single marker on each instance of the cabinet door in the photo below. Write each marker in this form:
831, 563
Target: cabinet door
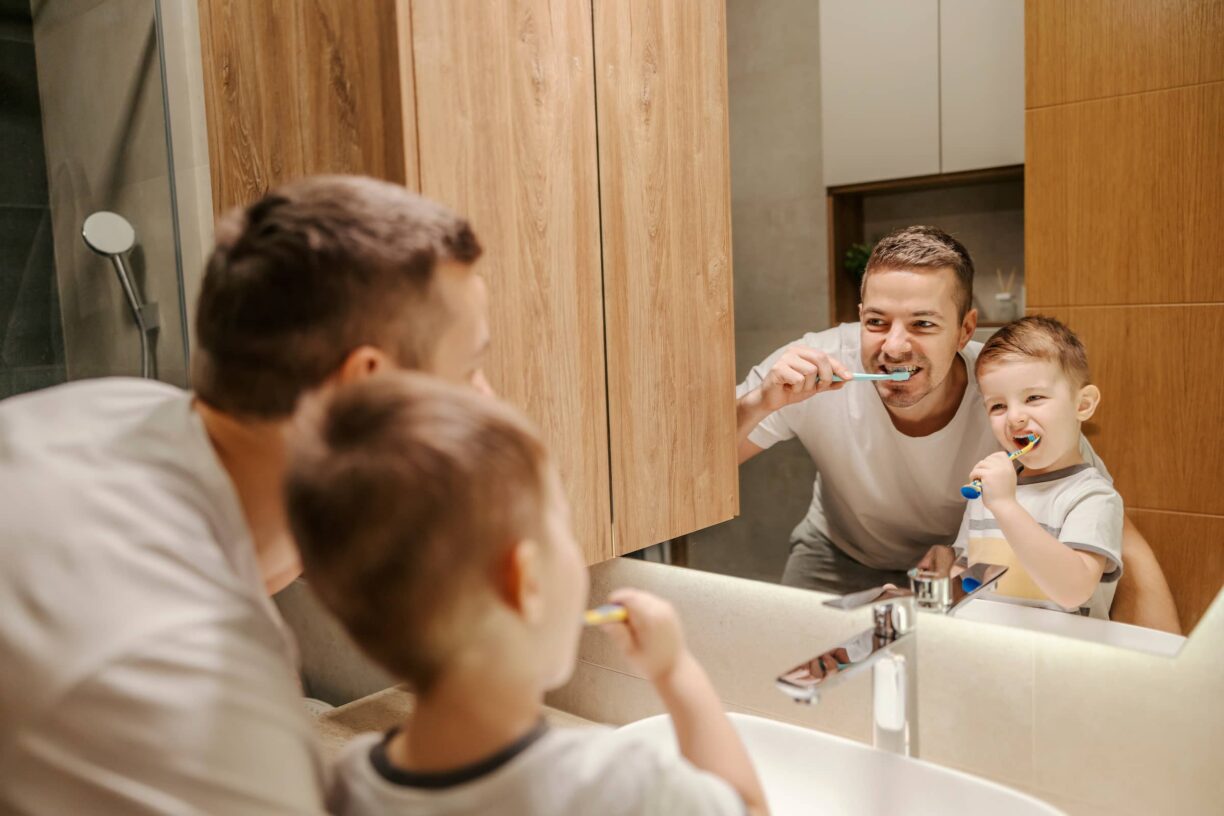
506, 133
294, 88
879, 89
661, 72
981, 80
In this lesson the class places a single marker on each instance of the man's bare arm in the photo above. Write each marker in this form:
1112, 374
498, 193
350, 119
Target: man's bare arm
1143, 597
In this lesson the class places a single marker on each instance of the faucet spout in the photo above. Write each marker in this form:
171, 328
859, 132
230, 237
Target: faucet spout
889, 648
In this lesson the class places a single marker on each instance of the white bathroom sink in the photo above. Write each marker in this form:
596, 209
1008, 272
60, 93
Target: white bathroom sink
810, 772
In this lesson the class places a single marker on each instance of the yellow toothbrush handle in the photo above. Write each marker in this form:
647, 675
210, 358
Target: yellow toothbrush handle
607, 613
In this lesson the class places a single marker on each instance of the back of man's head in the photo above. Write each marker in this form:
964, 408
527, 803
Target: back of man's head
404, 495
310, 272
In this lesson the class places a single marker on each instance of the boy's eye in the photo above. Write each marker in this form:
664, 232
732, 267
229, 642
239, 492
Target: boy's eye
1034, 398
995, 407
875, 322
924, 324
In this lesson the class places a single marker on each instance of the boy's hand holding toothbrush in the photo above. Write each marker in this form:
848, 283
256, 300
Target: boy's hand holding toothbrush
653, 640
997, 473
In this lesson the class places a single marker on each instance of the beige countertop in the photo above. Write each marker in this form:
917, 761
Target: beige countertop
383, 709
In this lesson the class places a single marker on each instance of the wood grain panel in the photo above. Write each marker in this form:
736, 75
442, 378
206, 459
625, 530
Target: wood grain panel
665, 187
1158, 426
506, 133
305, 86
1089, 49
1123, 199
1190, 550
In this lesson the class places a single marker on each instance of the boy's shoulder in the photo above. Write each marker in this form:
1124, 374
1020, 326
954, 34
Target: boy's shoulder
567, 770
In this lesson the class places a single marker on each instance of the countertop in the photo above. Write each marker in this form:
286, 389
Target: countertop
383, 709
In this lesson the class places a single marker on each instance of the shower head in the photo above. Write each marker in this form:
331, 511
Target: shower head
108, 233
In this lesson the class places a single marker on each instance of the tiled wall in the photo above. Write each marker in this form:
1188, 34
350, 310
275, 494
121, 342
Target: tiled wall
1091, 729
31, 337
778, 242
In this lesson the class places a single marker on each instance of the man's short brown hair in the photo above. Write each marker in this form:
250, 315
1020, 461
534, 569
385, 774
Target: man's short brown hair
310, 272
1038, 338
403, 492
924, 248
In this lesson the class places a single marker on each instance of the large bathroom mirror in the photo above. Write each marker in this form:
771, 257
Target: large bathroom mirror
849, 119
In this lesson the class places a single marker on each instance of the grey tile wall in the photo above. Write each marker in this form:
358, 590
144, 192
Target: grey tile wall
31, 332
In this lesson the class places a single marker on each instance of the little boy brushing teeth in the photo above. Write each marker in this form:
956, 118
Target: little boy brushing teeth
1058, 524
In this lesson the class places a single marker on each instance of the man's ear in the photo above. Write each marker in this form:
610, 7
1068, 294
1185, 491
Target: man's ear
968, 327
1087, 402
518, 580
361, 362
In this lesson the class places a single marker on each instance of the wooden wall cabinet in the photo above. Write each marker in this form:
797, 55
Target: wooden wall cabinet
1124, 191
587, 143
920, 87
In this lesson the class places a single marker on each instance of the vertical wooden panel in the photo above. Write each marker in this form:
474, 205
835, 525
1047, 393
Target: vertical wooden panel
1158, 427
506, 133
298, 87
1124, 198
1190, 549
665, 187
1089, 49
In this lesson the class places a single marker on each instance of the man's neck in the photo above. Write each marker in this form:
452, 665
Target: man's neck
253, 454
936, 410
470, 714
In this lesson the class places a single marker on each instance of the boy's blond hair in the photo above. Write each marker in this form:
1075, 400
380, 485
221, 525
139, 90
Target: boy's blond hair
1038, 338
403, 492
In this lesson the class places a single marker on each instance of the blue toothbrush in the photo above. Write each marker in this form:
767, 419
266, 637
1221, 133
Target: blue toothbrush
973, 490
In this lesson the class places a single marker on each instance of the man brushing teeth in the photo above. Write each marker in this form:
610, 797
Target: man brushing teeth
890, 456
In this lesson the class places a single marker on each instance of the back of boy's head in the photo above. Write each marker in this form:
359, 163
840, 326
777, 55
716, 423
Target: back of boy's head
403, 494
310, 272
1038, 338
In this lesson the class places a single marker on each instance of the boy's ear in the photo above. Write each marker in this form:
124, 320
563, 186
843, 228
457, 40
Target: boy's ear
361, 362
1086, 405
519, 582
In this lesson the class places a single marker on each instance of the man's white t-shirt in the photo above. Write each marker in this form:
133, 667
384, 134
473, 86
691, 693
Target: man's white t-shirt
550, 772
880, 496
143, 668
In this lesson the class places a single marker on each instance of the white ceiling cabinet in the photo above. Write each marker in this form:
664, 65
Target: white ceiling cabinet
920, 87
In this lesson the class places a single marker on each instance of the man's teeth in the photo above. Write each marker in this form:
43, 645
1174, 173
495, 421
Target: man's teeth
894, 369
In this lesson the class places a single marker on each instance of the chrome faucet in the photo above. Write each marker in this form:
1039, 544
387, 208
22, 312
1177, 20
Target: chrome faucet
890, 648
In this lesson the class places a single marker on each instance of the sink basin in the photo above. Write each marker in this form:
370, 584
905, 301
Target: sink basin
805, 772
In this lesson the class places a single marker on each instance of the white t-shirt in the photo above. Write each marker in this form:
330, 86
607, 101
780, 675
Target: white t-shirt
880, 496
144, 668
550, 772
1076, 505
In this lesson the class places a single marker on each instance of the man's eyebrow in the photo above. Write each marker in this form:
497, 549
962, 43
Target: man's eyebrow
920, 313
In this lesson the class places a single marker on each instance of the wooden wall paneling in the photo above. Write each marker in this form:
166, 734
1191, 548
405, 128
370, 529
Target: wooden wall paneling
845, 225
1089, 49
1123, 199
296, 87
506, 134
1190, 549
661, 76
1158, 426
